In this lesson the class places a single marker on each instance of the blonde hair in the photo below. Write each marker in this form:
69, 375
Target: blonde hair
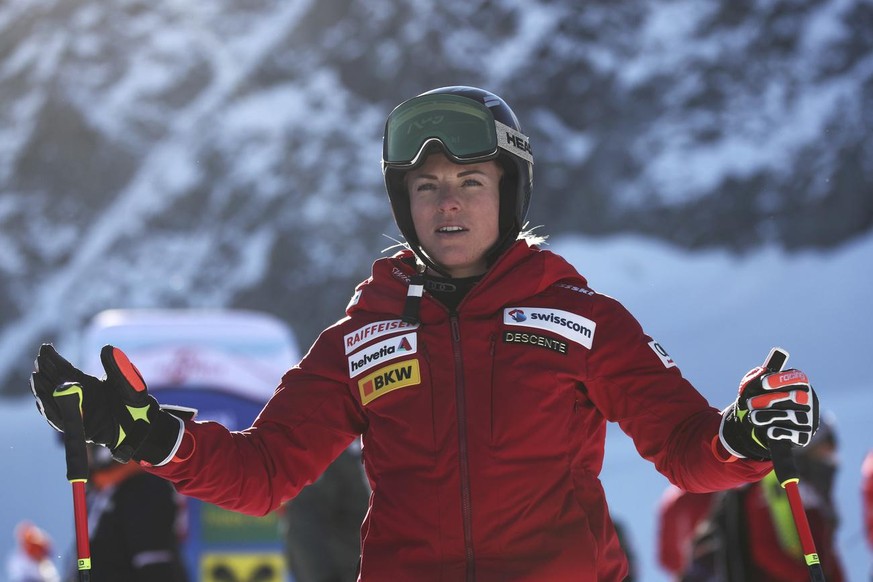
531, 237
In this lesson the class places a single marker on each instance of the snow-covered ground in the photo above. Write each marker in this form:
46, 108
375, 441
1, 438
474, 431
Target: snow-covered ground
716, 314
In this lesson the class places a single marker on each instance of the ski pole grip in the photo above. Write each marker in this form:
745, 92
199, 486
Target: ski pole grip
780, 451
68, 396
783, 460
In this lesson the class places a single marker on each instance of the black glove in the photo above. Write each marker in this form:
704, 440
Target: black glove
771, 405
117, 411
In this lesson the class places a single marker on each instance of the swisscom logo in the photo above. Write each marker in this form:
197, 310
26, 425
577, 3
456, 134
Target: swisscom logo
517, 315
574, 327
383, 351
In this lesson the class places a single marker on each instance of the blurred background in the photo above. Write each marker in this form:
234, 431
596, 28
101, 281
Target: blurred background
226, 154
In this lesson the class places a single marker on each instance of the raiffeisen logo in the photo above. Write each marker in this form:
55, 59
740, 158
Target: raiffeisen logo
371, 331
570, 325
517, 315
381, 352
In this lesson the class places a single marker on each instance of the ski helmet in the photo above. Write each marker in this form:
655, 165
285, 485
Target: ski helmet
469, 125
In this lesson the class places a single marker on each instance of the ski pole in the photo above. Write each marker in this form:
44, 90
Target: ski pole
69, 399
786, 473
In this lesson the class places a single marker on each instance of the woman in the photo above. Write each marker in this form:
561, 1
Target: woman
480, 372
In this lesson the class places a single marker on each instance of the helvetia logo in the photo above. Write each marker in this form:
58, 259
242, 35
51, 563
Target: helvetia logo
567, 324
388, 379
385, 350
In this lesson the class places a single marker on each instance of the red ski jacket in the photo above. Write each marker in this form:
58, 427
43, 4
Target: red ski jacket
483, 430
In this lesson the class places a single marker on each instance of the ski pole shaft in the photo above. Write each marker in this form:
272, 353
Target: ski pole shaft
786, 473
69, 399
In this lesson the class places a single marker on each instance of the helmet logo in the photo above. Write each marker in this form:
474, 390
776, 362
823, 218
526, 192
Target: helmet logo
514, 142
519, 142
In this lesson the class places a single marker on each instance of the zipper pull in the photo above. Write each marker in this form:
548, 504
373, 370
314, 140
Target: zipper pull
413, 299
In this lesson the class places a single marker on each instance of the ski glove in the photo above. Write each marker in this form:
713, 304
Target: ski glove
770, 406
117, 411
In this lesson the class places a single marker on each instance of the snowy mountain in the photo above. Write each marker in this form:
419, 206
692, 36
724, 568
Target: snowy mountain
227, 153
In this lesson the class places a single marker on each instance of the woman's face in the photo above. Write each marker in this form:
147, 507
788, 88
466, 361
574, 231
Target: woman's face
455, 209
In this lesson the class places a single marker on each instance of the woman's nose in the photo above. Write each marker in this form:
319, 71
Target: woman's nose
448, 199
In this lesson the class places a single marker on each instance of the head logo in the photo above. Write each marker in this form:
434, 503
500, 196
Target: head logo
514, 141
519, 142
517, 315
388, 379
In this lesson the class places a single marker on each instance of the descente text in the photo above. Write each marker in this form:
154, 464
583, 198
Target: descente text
516, 337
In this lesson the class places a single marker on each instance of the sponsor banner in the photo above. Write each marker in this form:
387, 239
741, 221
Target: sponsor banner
569, 325
388, 379
662, 354
534, 339
242, 567
371, 331
222, 526
379, 353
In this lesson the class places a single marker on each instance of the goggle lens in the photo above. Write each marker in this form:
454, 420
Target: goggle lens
465, 128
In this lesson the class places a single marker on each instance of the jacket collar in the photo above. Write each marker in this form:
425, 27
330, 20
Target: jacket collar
521, 272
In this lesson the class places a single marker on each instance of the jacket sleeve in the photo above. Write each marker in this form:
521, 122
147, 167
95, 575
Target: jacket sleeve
309, 421
669, 421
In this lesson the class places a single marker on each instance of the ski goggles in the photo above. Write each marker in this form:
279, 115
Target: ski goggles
466, 129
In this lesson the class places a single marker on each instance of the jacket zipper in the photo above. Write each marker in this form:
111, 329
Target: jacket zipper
466, 503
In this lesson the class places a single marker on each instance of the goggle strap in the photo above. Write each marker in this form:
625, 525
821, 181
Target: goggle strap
513, 141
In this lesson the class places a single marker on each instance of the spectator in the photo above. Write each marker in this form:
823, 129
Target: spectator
322, 525
134, 522
867, 493
750, 534
679, 515
31, 560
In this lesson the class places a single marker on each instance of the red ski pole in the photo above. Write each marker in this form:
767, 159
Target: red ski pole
786, 473
69, 399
